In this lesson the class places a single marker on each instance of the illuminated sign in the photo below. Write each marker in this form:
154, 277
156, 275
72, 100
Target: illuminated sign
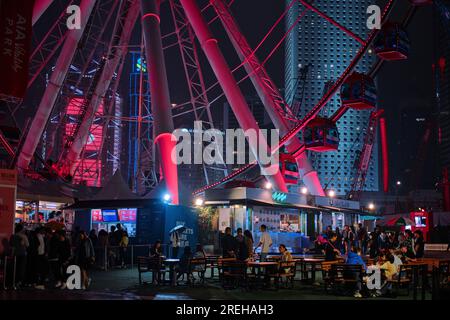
96, 215
141, 66
279, 197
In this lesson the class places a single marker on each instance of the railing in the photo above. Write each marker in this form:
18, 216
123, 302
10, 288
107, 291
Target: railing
8, 272
110, 257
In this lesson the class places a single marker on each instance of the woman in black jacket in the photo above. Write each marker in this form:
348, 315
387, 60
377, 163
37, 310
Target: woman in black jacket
84, 258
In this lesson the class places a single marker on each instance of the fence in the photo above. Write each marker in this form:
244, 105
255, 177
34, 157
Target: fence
109, 257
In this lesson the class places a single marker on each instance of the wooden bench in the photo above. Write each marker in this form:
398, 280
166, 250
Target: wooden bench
197, 265
403, 278
286, 270
152, 265
344, 274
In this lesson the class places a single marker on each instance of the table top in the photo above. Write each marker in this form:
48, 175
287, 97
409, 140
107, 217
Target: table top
172, 260
313, 260
262, 264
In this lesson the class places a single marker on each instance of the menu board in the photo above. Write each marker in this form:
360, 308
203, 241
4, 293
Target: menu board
127, 215
96, 215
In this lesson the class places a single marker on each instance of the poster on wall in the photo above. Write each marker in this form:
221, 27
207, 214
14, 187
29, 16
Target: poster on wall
224, 218
8, 189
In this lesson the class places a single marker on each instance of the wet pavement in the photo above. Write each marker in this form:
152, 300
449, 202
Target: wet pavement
123, 284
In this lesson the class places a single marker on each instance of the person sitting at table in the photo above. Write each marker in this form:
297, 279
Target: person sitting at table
229, 244
285, 254
397, 259
156, 249
183, 266
199, 254
389, 272
265, 242
407, 254
330, 249
354, 257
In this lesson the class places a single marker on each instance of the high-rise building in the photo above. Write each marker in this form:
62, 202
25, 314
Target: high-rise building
442, 79
316, 55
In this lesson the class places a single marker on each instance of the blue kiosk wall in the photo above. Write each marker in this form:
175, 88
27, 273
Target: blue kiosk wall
154, 221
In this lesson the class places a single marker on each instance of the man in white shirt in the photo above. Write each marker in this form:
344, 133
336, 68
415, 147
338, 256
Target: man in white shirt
265, 242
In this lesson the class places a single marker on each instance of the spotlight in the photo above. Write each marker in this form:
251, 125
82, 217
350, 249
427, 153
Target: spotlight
268, 186
331, 193
371, 206
167, 197
304, 190
199, 202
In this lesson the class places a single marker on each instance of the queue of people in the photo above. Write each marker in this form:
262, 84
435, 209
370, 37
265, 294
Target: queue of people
42, 255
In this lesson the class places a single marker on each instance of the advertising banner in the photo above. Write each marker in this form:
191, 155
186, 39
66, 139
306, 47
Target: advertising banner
15, 42
8, 189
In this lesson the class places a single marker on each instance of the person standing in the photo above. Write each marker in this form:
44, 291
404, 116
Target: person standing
19, 246
64, 256
84, 258
362, 238
41, 259
418, 244
248, 238
242, 252
229, 245
123, 244
265, 242
175, 242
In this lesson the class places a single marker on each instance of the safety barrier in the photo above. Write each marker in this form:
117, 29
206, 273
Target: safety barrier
8, 272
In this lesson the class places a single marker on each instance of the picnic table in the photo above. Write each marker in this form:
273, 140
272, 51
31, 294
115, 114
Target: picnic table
261, 268
212, 261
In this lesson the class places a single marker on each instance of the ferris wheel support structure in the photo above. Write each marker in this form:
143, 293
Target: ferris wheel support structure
163, 126
126, 20
39, 8
54, 85
269, 95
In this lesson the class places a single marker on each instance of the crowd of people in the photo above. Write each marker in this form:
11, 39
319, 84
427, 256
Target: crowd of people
389, 250
373, 244
43, 254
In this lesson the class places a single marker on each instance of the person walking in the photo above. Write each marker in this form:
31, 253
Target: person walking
64, 256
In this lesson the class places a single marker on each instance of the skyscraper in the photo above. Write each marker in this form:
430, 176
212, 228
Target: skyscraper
321, 52
442, 77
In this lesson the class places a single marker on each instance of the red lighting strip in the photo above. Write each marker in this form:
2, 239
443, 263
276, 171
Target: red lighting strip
384, 154
148, 15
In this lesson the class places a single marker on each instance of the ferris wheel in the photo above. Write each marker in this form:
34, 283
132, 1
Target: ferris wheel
73, 103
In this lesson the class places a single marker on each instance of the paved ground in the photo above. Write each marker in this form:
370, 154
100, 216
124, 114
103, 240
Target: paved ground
123, 285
